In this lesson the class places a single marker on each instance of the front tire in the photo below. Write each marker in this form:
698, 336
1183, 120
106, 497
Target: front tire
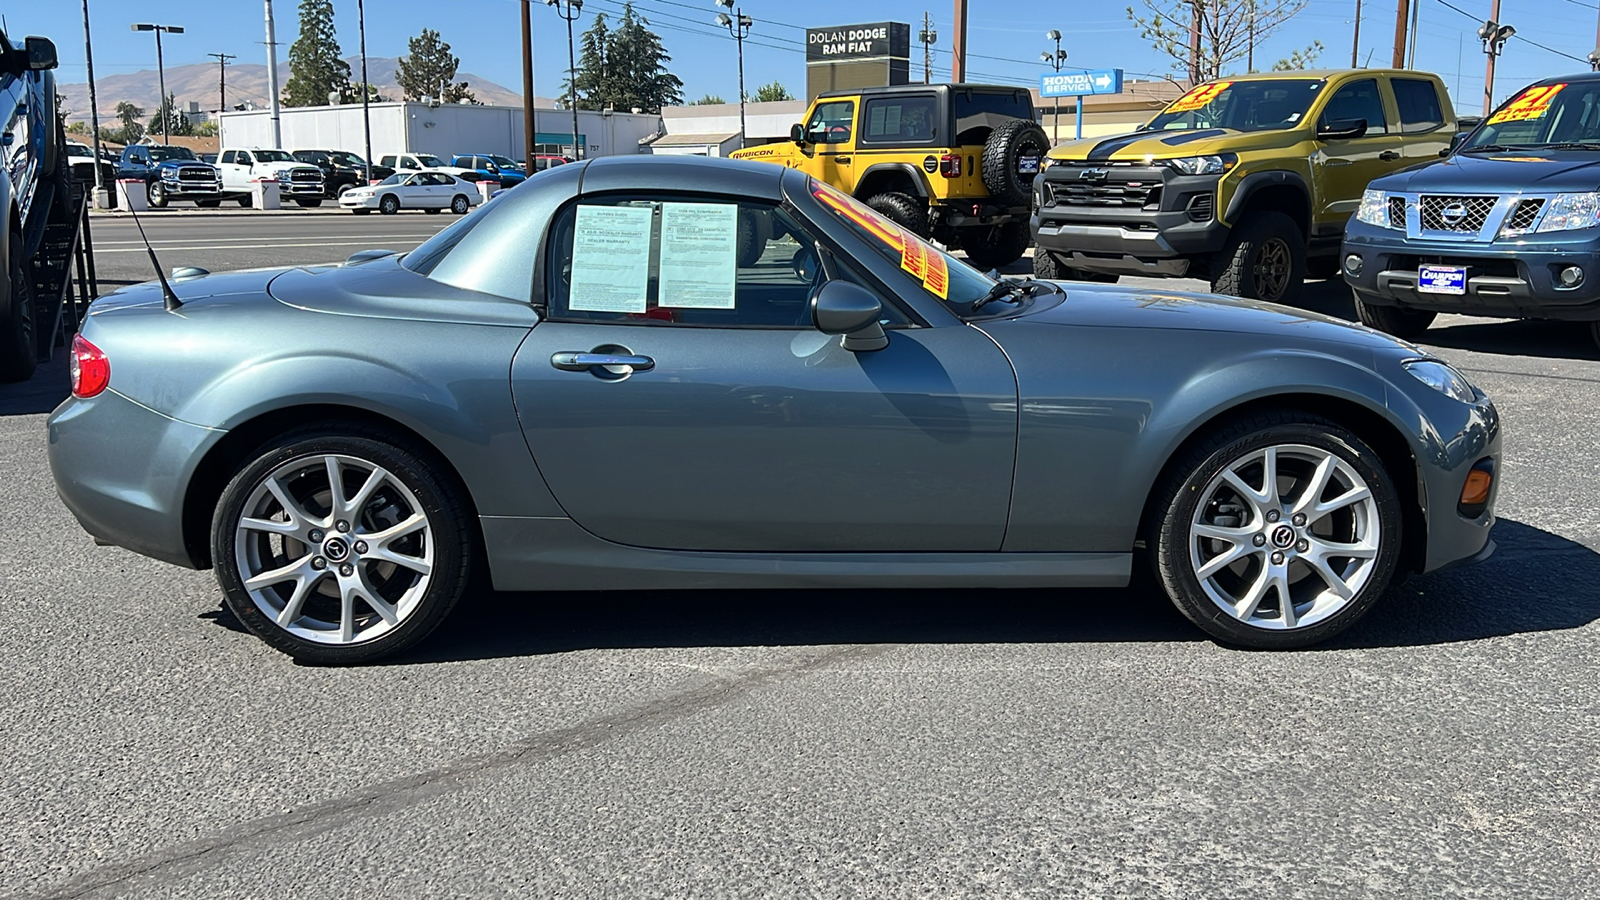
1278, 530
1395, 320
17, 331
340, 546
1046, 267
1265, 259
389, 205
156, 194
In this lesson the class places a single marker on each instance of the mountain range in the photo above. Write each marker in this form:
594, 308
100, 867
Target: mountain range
245, 84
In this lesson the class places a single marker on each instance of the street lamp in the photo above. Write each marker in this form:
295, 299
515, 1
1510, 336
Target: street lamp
1056, 61
569, 10
1494, 37
1594, 59
738, 25
161, 72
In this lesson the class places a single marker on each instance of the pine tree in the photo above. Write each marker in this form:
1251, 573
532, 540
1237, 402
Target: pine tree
315, 68
428, 70
594, 77
639, 63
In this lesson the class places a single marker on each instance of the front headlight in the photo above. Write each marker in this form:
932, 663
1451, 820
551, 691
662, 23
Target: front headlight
1442, 378
1568, 212
1204, 165
1374, 208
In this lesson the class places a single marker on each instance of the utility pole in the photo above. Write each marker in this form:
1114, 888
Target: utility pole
366, 94
958, 45
1250, 45
1355, 42
1594, 58
1194, 42
928, 37
1411, 56
101, 201
527, 87
272, 80
222, 77
1402, 11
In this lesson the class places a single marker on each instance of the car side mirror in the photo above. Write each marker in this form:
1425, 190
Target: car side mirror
1342, 129
41, 53
797, 133
842, 308
1455, 141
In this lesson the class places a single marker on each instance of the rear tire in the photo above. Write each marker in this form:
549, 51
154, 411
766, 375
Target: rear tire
1395, 320
1008, 145
1265, 259
246, 201
996, 246
17, 330
460, 205
903, 210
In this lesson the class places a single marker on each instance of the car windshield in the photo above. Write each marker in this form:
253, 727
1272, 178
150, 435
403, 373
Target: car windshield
162, 154
1547, 115
432, 162
1240, 105
78, 150
347, 159
954, 282
272, 156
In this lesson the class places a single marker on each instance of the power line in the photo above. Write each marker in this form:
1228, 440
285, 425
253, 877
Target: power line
1519, 37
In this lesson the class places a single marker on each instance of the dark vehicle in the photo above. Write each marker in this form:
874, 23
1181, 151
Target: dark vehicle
582, 387
33, 180
341, 169
1507, 225
172, 173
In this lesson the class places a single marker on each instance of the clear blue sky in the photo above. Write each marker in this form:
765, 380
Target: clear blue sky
1005, 36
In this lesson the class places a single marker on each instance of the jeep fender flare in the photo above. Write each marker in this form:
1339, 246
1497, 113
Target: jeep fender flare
1253, 184
875, 174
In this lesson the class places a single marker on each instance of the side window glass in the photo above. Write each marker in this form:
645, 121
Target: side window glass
1419, 105
710, 264
832, 123
1357, 100
229, 156
899, 120
244, 158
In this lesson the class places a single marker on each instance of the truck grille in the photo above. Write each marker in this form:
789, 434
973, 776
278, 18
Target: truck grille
1397, 212
1116, 192
1456, 214
1522, 218
196, 173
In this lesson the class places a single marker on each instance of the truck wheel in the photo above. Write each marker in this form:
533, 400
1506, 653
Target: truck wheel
1265, 260
1011, 159
1322, 268
156, 194
308, 202
903, 210
1048, 268
17, 359
996, 246
1395, 320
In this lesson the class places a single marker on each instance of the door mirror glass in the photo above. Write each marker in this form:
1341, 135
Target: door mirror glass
1342, 129
840, 307
797, 133
41, 53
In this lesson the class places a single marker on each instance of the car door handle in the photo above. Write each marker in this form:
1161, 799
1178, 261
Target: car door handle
842, 160
1388, 156
579, 361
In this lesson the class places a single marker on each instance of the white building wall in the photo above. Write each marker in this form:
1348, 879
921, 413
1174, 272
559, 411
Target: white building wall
763, 121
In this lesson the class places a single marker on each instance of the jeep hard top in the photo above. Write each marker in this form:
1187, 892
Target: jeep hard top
952, 161
1245, 181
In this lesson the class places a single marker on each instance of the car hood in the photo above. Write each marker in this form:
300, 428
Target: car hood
1118, 306
204, 290
1173, 144
181, 163
279, 168
1519, 170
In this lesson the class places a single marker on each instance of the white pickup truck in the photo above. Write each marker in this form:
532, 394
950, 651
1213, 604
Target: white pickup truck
297, 181
426, 162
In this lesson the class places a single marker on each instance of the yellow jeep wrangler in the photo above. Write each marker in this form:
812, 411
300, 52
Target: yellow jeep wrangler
1246, 181
955, 162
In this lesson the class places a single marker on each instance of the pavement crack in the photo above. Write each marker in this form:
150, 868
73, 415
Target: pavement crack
170, 864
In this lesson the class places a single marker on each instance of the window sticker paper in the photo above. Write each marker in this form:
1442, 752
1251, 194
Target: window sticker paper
607, 272
1198, 97
1532, 104
699, 255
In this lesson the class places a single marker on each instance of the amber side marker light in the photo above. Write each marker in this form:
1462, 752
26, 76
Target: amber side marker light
1475, 493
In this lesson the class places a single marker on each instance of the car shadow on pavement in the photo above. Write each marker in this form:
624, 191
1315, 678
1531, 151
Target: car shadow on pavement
40, 394
1537, 581
1542, 338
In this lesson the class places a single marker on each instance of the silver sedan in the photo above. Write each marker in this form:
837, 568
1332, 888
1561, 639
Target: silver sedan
431, 192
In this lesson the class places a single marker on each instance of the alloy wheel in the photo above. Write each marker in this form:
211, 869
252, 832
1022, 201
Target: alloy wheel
1272, 269
334, 549
1285, 537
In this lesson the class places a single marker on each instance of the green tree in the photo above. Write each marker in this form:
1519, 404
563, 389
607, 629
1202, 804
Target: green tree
594, 78
78, 128
132, 129
709, 100
1229, 29
639, 67
315, 68
768, 93
207, 128
428, 70
1299, 59
176, 122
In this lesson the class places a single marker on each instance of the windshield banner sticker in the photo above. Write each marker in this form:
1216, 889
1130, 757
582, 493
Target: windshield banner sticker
1532, 104
1198, 97
699, 254
607, 275
916, 257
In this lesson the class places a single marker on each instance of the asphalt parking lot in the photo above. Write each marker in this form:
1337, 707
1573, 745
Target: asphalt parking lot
799, 744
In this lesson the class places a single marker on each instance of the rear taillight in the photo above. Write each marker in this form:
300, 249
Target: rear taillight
91, 371
950, 165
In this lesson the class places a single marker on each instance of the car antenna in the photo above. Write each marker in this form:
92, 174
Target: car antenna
170, 296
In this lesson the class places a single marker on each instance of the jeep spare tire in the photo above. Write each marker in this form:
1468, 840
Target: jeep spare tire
1011, 158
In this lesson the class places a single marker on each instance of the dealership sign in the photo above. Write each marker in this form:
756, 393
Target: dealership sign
1077, 84
877, 40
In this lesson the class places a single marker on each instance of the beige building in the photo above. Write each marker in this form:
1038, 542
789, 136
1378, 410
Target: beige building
1107, 114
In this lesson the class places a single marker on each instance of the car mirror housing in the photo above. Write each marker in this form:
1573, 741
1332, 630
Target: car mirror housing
1342, 129
41, 53
842, 308
797, 133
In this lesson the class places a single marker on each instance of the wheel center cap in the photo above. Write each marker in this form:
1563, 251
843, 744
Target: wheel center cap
1282, 537
336, 549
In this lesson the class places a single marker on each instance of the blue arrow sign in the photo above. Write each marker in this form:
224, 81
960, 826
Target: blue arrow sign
1076, 84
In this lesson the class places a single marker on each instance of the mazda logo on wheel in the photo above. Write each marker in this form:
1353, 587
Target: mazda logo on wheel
1282, 536
336, 550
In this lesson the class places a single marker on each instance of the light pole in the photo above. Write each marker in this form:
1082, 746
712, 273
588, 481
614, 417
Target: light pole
569, 10
100, 188
366, 94
1494, 36
527, 88
738, 25
1055, 61
161, 72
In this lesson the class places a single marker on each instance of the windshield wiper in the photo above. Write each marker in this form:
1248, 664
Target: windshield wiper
1005, 289
1492, 148
1573, 145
